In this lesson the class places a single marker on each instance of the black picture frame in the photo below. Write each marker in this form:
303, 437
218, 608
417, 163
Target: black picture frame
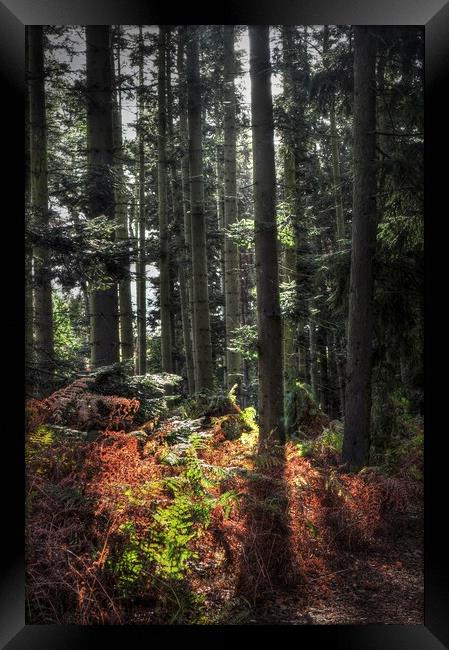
434, 16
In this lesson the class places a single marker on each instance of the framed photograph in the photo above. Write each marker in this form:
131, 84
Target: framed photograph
228, 317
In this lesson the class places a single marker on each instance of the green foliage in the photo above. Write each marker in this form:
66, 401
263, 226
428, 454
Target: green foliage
248, 416
299, 407
244, 341
393, 422
210, 403
164, 551
286, 233
69, 343
331, 439
242, 233
42, 437
407, 455
398, 438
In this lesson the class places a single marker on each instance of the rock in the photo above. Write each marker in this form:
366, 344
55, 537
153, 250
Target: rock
65, 432
139, 435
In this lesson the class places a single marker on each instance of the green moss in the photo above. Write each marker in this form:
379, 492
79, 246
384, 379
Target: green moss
300, 406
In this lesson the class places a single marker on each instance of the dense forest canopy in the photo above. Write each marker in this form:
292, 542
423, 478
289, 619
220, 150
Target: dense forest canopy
228, 214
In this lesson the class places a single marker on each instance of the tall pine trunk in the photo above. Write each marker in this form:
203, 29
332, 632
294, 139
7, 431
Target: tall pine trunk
104, 331
219, 154
290, 327
231, 252
356, 441
124, 287
43, 312
324, 369
314, 381
267, 278
186, 271
179, 222
203, 344
164, 261
141, 279
336, 175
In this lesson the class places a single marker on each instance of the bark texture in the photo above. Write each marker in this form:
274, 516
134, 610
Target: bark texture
124, 287
203, 344
266, 262
43, 312
104, 332
141, 280
360, 320
164, 261
186, 270
231, 252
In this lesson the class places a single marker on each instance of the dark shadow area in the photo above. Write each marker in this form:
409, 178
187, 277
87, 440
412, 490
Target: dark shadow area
267, 565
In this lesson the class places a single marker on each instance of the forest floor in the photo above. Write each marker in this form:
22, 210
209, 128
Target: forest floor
384, 585
186, 521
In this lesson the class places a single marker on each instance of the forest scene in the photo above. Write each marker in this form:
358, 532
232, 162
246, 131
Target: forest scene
224, 271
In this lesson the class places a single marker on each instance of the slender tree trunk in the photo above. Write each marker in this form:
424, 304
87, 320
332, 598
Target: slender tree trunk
124, 287
104, 339
179, 209
185, 187
164, 261
360, 323
203, 344
313, 359
232, 267
333, 397
43, 311
336, 175
324, 370
340, 360
221, 226
141, 280
244, 315
186, 331
175, 298
267, 279
289, 326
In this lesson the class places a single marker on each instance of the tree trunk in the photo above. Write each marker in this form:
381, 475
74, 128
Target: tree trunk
290, 327
104, 338
324, 370
203, 344
313, 359
124, 287
336, 175
231, 251
341, 367
179, 221
141, 280
221, 226
164, 261
267, 280
332, 377
360, 322
43, 311
186, 271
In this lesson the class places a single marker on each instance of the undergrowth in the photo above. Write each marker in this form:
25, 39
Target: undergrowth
189, 525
